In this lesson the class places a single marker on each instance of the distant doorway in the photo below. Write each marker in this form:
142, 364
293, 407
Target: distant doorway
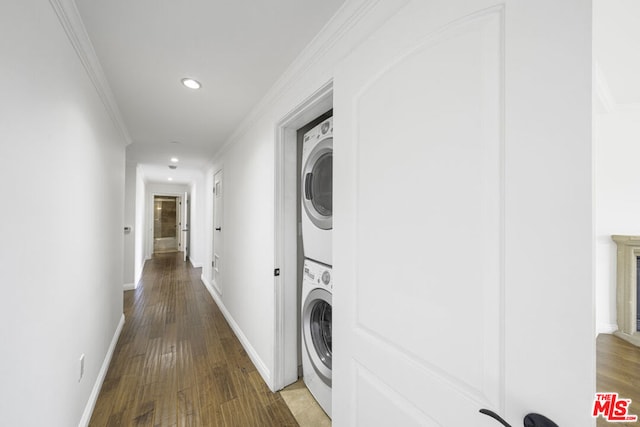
165, 224
217, 231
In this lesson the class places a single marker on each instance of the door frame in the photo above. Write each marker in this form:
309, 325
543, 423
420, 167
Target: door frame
151, 205
285, 369
185, 225
214, 283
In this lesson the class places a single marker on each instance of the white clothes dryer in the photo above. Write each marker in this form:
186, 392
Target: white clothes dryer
317, 286
317, 192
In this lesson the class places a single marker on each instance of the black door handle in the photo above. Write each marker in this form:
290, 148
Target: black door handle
218, 228
495, 417
530, 420
537, 420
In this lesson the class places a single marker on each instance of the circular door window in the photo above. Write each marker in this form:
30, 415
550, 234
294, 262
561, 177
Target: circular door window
320, 323
317, 185
322, 184
316, 324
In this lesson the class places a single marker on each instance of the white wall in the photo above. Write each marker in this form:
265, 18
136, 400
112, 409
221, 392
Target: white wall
128, 274
140, 253
197, 222
617, 201
62, 185
249, 181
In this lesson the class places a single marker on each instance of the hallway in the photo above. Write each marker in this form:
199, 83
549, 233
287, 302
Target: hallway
177, 361
461, 127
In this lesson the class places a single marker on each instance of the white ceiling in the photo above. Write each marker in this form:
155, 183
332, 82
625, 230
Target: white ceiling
236, 48
616, 41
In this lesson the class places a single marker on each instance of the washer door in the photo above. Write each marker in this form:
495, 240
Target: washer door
317, 185
316, 322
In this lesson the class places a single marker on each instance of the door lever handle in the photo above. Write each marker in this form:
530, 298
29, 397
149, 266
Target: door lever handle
530, 420
537, 420
495, 417
218, 228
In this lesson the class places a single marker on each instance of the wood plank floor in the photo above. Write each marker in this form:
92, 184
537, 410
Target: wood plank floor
618, 371
177, 362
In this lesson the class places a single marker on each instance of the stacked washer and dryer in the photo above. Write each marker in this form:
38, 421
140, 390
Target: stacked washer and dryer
317, 284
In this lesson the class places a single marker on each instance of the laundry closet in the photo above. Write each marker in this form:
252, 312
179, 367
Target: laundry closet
315, 284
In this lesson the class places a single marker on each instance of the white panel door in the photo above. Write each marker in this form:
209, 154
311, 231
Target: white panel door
186, 215
217, 230
462, 222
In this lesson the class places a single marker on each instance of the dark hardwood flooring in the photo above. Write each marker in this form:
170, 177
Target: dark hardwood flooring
178, 363
618, 371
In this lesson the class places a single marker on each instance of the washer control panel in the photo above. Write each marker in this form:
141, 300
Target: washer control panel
318, 274
323, 130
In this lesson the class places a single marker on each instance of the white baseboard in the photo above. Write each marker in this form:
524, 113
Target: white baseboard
128, 286
93, 397
140, 272
253, 355
606, 328
211, 287
195, 264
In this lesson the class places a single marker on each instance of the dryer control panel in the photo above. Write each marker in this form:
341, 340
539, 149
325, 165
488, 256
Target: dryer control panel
318, 274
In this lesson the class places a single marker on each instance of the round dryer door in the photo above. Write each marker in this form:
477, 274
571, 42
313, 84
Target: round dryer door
316, 321
317, 185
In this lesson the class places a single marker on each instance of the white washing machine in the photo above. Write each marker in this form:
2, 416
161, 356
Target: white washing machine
317, 286
317, 192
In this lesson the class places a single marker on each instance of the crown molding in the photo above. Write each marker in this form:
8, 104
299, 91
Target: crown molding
346, 18
71, 22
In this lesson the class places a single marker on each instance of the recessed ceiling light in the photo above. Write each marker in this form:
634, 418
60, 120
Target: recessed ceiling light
191, 84
170, 179
174, 159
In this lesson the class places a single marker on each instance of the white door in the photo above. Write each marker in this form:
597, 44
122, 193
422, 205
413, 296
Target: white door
462, 217
186, 234
217, 230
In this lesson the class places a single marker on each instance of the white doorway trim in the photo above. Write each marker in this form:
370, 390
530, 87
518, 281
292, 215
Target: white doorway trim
217, 220
285, 369
150, 218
